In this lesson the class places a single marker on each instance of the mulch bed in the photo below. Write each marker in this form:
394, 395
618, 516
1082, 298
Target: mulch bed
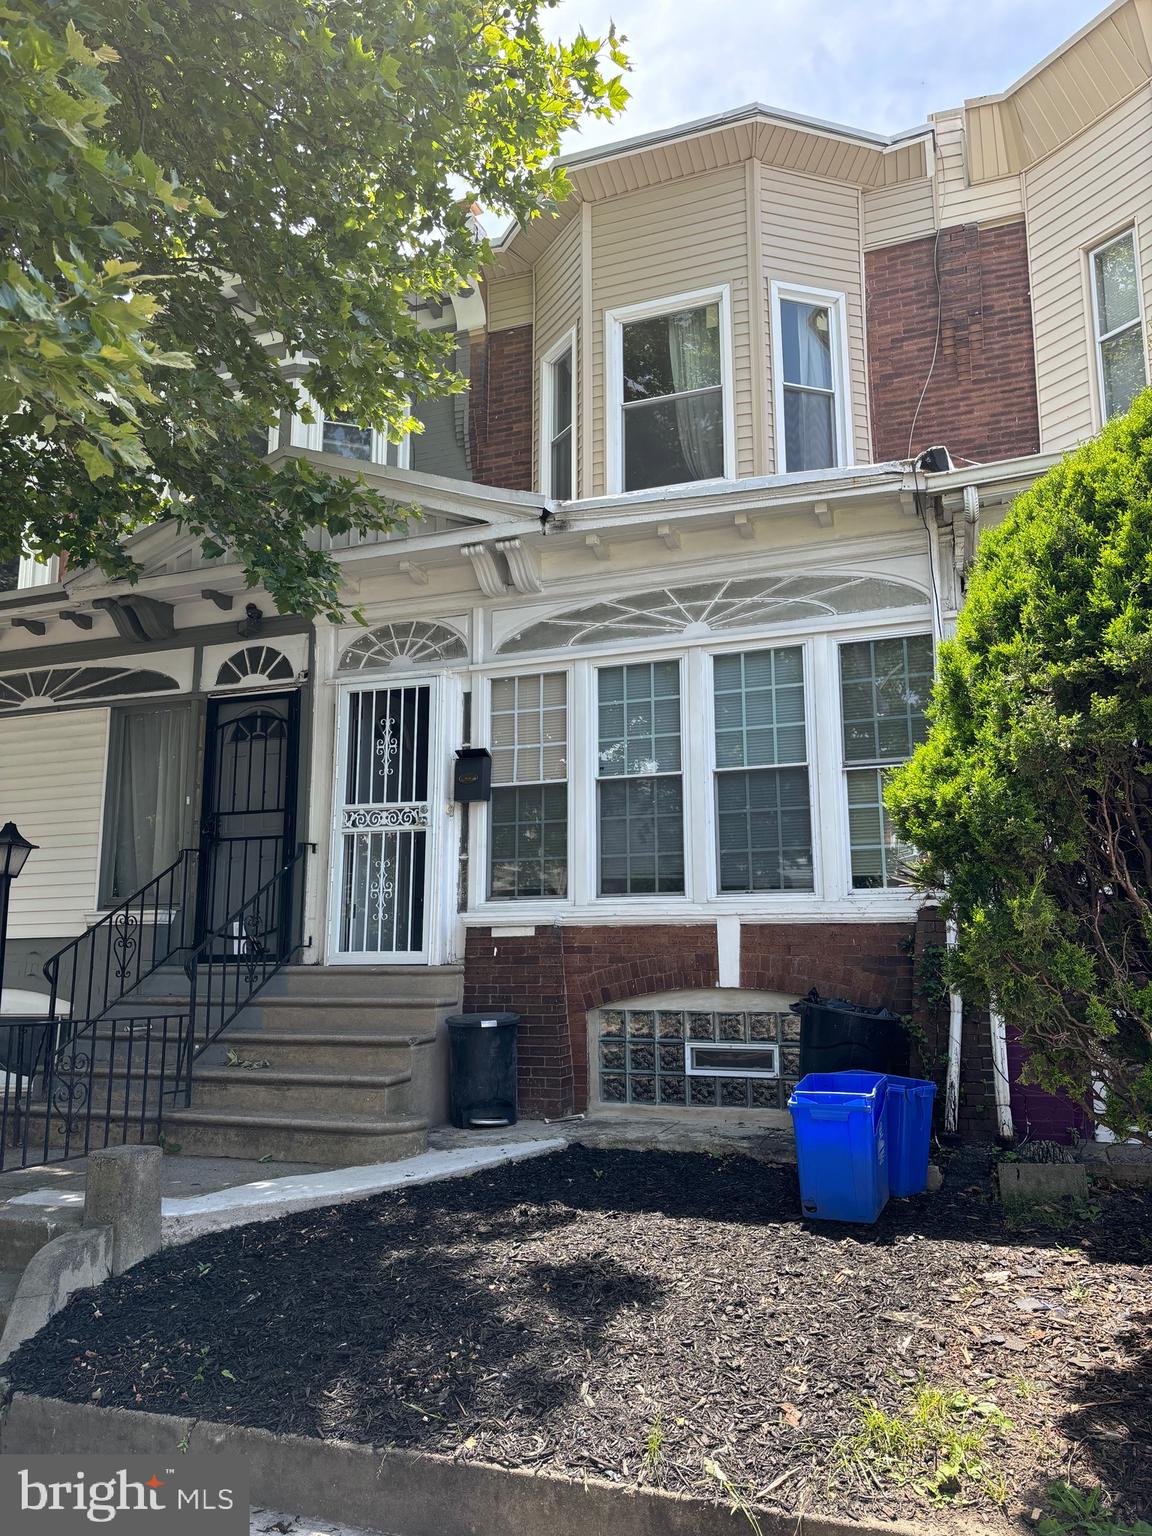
569, 1313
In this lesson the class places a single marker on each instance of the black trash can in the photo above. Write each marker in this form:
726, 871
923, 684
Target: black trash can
838, 1036
482, 1069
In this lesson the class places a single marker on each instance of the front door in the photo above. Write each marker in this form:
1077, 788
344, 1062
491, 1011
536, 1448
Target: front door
382, 865
248, 821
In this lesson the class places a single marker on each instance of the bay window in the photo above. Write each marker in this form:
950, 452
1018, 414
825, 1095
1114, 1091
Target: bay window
884, 690
640, 788
763, 817
812, 427
1120, 361
669, 397
529, 808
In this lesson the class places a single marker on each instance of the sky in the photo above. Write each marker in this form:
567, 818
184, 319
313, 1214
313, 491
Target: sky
881, 65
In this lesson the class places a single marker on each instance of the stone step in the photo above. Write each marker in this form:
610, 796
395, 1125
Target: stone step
24, 1231
361, 1053
241, 1090
122, 1131
337, 1142
434, 983
9, 1280
344, 1013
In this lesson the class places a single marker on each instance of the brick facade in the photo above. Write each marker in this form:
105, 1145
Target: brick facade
554, 976
981, 401
501, 409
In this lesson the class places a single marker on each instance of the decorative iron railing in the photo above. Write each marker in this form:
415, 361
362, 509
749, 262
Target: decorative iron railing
106, 1086
97, 969
234, 962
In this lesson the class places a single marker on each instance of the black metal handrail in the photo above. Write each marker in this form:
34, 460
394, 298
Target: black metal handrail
237, 959
97, 969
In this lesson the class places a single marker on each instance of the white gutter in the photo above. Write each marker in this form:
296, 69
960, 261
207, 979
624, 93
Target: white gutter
955, 1045
1001, 1082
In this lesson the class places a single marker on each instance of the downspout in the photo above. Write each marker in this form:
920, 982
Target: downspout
1001, 1082
955, 1044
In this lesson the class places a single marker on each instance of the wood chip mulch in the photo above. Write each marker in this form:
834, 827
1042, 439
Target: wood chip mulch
635, 1316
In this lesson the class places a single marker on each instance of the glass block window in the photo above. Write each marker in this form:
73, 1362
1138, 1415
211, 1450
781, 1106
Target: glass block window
763, 814
884, 690
640, 790
528, 818
660, 1056
1119, 331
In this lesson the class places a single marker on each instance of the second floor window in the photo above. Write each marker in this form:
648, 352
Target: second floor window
670, 395
811, 395
1119, 332
559, 433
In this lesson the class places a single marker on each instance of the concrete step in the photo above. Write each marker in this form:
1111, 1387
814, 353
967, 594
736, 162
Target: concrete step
441, 984
133, 1131
346, 1013
337, 1142
9, 1280
250, 1091
24, 1231
362, 1053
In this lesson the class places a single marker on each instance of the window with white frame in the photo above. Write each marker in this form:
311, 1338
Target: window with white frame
338, 433
558, 438
1120, 360
668, 396
763, 815
640, 788
528, 813
811, 384
884, 690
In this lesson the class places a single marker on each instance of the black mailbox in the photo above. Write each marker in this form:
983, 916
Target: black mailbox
472, 779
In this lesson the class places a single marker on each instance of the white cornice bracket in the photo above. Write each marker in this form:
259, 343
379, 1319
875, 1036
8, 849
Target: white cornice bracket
485, 569
523, 565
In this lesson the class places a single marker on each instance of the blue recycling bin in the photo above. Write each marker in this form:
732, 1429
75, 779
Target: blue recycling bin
841, 1144
909, 1113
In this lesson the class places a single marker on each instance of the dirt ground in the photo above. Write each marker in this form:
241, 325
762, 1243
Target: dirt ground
663, 1319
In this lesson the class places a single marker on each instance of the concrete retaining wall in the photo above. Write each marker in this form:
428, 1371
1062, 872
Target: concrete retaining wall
404, 1492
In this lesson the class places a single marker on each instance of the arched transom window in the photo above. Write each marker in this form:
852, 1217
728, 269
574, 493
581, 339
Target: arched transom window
79, 685
700, 608
408, 643
255, 664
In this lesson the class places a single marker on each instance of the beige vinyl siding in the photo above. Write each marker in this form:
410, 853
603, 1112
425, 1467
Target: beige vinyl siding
812, 236
958, 202
509, 302
52, 786
558, 279
1076, 199
665, 241
893, 214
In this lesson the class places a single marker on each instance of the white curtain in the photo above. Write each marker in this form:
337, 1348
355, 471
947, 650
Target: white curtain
147, 772
694, 353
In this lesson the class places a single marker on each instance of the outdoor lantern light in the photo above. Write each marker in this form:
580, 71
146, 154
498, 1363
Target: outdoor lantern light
14, 851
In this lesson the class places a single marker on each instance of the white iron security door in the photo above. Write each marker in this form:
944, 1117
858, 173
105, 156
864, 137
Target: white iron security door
383, 824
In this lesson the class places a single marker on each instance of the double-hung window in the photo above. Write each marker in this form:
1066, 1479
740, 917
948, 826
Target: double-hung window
558, 446
1120, 361
670, 410
884, 690
763, 816
337, 432
640, 788
528, 854
811, 387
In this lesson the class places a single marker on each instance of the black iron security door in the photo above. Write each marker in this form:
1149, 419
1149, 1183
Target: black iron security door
248, 821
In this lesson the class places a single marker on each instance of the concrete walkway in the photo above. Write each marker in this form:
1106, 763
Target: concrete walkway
270, 1522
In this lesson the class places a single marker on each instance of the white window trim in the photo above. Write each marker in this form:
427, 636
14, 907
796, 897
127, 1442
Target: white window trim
1098, 336
836, 302
481, 735
614, 322
310, 435
37, 573
565, 343
768, 1048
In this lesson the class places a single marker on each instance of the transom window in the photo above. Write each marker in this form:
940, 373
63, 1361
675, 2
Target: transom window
763, 818
884, 690
811, 392
529, 811
559, 437
669, 406
1119, 331
640, 789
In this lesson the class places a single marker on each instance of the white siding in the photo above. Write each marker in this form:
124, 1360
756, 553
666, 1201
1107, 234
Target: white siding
663, 241
958, 202
903, 212
558, 281
52, 787
812, 236
1079, 196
